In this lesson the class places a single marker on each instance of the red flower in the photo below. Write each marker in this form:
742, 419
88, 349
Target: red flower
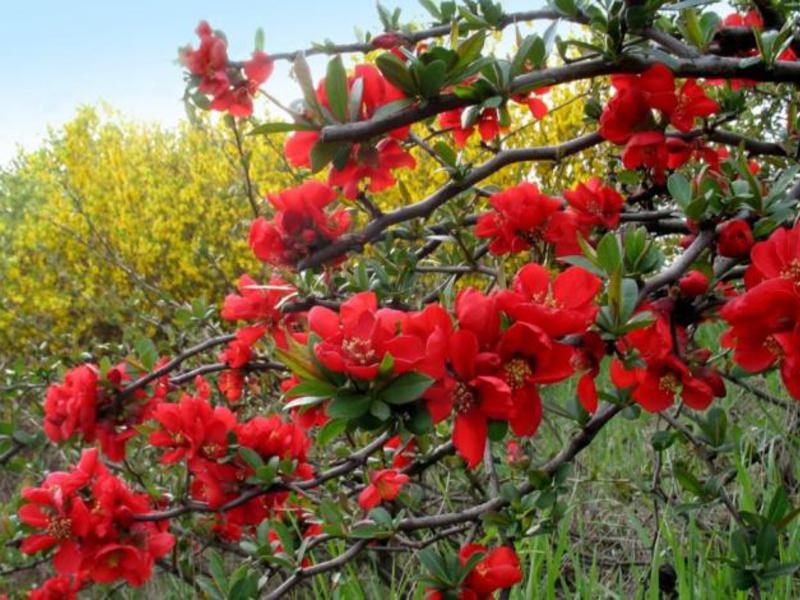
306, 417
595, 204
474, 392
209, 61
433, 326
520, 215
535, 104
300, 225
356, 340
384, 485
777, 257
87, 513
402, 452
666, 377
561, 304
65, 519
231, 383
750, 19
57, 588
87, 405
763, 328
647, 149
530, 357
72, 406
478, 313
498, 570
486, 122
694, 283
692, 102
586, 360
259, 304
629, 110
240, 350
735, 239
192, 429
373, 163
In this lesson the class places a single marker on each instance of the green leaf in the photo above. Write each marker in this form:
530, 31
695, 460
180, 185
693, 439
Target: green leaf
316, 388
432, 78
420, 420
298, 365
431, 7
777, 506
497, 430
258, 43
609, 254
406, 388
303, 401
380, 410
349, 407
680, 189
336, 88
303, 75
469, 50
331, 430
662, 440
396, 72
322, 154
270, 128
251, 457
766, 543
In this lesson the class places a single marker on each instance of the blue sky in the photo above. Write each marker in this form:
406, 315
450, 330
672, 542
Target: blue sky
58, 55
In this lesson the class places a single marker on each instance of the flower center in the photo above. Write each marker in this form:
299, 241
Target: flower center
517, 372
360, 350
546, 299
60, 528
774, 347
669, 383
464, 398
211, 450
792, 271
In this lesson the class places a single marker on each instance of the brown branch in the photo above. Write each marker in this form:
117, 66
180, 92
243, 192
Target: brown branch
305, 572
355, 460
576, 445
414, 37
706, 66
681, 264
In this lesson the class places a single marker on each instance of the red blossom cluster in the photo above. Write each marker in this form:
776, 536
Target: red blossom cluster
628, 117
87, 515
481, 372
206, 438
215, 76
366, 161
764, 319
300, 225
498, 569
464, 123
92, 407
662, 368
259, 305
522, 216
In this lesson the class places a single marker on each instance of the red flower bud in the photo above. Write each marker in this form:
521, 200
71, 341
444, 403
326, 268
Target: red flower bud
387, 41
735, 239
694, 283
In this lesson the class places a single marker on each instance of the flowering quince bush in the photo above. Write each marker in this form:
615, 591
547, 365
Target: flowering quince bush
377, 352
